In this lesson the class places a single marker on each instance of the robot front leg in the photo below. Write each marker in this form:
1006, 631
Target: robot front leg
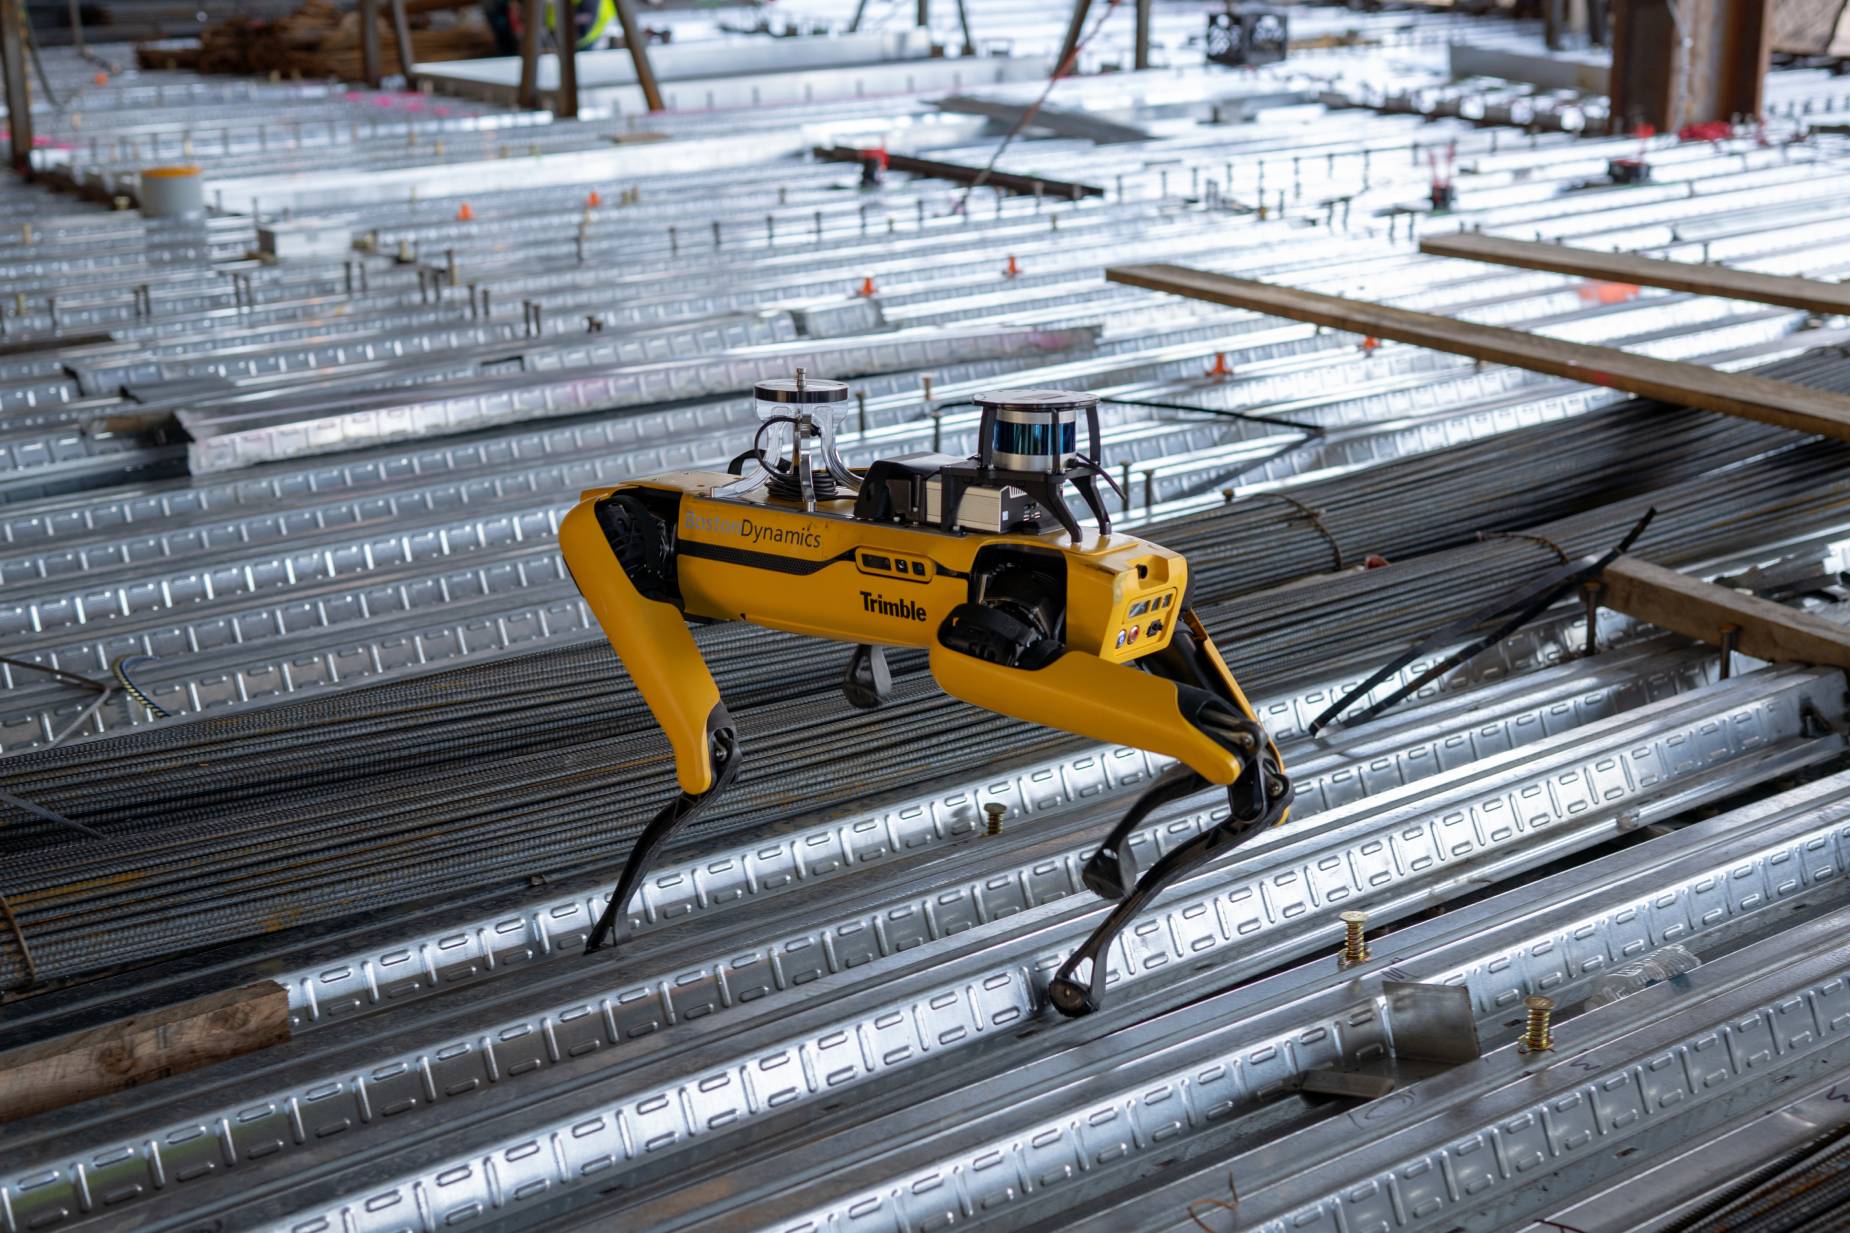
1190, 659
617, 552
1186, 706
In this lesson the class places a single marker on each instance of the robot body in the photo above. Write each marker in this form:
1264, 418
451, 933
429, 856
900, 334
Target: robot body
1084, 632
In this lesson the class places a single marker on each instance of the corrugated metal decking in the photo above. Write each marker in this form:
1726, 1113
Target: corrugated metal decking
322, 493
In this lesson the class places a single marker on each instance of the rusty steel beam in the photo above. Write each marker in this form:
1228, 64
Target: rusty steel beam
565, 38
532, 18
1688, 62
18, 95
369, 43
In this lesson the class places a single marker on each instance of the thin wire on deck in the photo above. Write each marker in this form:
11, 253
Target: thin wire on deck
1060, 70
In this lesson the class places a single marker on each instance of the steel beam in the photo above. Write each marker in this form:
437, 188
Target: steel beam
527, 93
565, 39
1689, 62
369, 43
18, 95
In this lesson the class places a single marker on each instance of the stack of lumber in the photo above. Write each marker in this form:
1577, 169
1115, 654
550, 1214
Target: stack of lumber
322, 39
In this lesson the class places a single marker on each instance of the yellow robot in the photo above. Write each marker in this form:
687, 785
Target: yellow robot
1088, 633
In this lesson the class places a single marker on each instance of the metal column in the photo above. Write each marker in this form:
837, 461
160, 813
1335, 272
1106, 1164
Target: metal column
369, 43
638, 42
1688, 62
1142, 54
533, 15
18, 97
401, 34
565, 38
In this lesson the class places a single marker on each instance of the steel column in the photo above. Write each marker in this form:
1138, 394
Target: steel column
1142, 53
369, 43
565, 38
637, 41
18, 96
532, 16
1688, 62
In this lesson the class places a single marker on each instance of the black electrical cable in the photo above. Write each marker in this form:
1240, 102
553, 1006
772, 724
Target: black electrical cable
1060, 70
1315, 430
783, 479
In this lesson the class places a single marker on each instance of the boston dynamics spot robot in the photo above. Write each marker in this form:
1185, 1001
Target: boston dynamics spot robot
1090, 633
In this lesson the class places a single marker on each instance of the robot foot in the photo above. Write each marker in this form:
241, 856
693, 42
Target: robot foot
677, 813
868, 682
1072, 996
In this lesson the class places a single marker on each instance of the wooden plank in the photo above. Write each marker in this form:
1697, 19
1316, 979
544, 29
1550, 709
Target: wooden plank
1785, 290
1691, 385
114, 1056
1702, 610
